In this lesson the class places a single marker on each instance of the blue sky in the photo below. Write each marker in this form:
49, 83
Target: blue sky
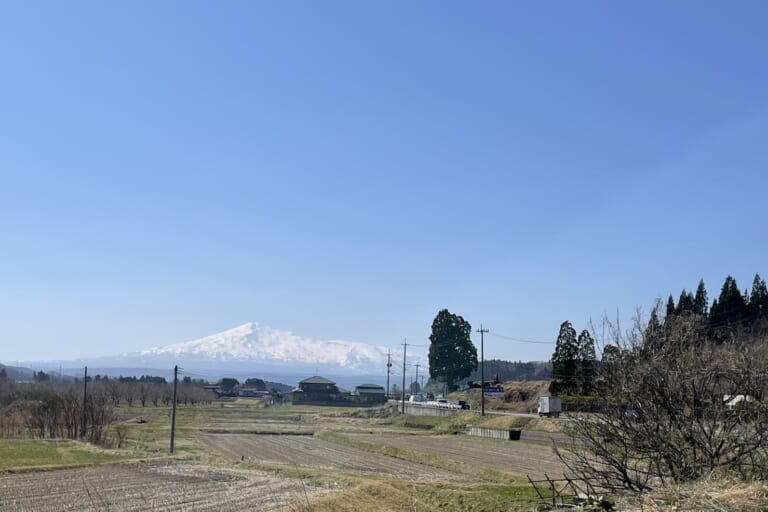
346, 169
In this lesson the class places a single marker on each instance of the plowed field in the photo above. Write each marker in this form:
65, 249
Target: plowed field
308, 451
172, 486
508, 456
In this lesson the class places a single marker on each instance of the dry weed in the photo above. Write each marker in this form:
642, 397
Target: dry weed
717, 494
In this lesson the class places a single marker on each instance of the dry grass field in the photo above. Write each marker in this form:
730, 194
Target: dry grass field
313, 452
517, 458
166, 485
238, 455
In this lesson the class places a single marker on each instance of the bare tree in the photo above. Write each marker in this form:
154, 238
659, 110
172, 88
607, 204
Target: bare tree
675, 406
142, 392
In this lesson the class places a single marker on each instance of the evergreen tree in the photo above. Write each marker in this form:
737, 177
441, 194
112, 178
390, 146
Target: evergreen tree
565, 361
758, 299
3, 374
670, 306
587, 363
685, 303
228, 384
652, 334
452, 355
701, 301
731, 306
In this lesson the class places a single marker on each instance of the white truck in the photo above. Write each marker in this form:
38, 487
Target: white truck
550, 406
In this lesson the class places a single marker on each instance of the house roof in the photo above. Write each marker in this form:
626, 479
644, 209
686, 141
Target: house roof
370, 388
317, 380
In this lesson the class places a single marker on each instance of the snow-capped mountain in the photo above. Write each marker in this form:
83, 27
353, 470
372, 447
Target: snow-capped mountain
253, 343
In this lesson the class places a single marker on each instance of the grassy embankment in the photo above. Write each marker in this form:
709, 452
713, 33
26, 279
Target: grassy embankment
39, 455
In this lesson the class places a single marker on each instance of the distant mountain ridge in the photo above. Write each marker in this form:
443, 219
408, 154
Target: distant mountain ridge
253, 343
17, 373
248, 350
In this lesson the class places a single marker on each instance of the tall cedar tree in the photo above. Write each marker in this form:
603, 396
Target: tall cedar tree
587, 363
685, 303
758, 299
701, 301
670, 306
652, 330
452, 355
565, 361
730, 308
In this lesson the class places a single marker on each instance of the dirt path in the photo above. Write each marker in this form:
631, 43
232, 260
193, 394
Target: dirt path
172, 486
308, 451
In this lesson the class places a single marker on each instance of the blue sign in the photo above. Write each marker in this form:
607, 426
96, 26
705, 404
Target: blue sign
494, 392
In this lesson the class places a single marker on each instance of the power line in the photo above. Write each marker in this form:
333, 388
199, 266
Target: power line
520, 340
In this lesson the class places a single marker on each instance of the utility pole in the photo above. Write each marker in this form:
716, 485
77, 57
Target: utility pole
417, 377
389, 365
482, 371
405, 350
173, 414
85, 400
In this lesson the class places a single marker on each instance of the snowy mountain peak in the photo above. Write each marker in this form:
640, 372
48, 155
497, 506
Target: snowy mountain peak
252, 342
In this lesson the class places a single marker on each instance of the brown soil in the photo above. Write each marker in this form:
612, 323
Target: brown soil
316, 453
514, 457
169, 486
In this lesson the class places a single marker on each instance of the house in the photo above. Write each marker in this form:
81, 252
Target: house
319, 391
370, 394
733, 401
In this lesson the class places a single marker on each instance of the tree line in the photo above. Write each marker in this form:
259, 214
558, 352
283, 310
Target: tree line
576, 369
734, 309
681, 395
512, 370
53, 408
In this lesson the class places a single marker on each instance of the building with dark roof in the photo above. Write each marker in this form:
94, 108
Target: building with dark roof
370, 394
319, 391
